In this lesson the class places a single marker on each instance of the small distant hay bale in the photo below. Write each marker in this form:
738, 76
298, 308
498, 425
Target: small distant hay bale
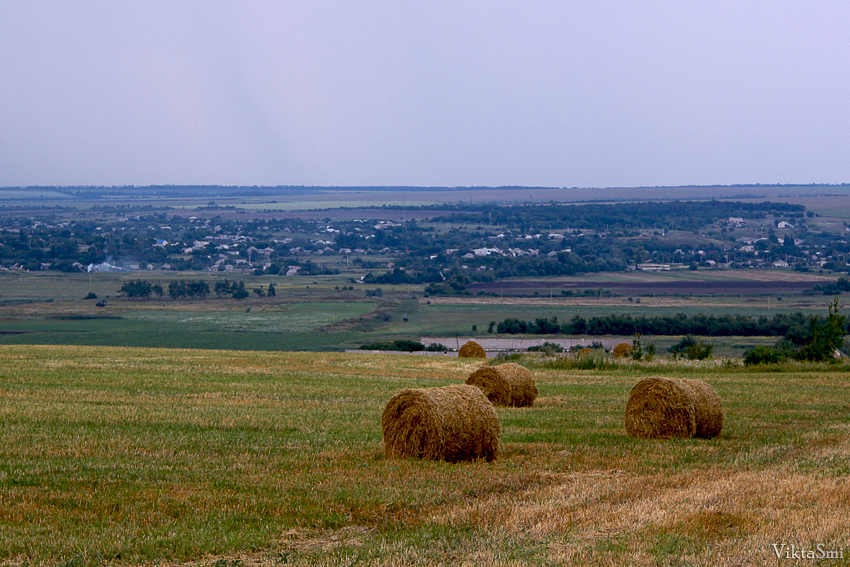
451, 423
663, 408
584, 352
622, 350
507, 384
471, 349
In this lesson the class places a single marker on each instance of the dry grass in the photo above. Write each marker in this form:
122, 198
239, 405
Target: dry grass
719, 518
142, 457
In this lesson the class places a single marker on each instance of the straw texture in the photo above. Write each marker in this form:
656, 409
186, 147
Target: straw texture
507, 384
451, 423
662, 408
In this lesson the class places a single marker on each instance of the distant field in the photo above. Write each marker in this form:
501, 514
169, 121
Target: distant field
294, 326
316, 314
221, 458
827, 206
827, 200
654, 288
16, 286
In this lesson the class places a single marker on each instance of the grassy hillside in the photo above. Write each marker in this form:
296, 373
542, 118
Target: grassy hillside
151, 456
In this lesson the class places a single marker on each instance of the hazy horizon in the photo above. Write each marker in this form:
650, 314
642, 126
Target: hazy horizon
437, 94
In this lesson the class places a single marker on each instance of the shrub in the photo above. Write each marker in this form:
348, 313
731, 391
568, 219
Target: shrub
505, 356
691, 349
638, 352
589, 362
763, 355
405, 345
547, 348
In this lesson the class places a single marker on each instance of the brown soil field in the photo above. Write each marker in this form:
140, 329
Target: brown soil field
763, 286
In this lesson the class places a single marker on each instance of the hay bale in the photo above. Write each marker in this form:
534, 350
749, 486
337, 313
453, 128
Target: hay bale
471, 349
508, 384
584, 352
662, 408
708, 408
452, 423
622, 350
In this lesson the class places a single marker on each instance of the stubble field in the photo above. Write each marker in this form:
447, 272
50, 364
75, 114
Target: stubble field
160, 456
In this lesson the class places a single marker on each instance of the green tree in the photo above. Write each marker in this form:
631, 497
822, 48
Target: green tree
826, 338
239, 291
138, 289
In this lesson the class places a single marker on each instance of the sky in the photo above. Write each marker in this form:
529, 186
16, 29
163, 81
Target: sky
595, 93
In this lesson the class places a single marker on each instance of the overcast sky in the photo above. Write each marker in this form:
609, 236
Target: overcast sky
595, 93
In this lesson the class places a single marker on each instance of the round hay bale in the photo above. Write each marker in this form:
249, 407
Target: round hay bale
708, 408
584, 352
492, 384
508, 384
471, 349
622, 350
662, 408
452, 423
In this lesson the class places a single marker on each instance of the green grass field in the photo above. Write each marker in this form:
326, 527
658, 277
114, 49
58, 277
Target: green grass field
286, 326
132, 456
316, 313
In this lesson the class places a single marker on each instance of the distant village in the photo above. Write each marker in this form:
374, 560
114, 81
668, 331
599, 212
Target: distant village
472, 244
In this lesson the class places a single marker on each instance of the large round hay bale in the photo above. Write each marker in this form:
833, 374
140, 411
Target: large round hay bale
452, 423
708, 408
507, 384
622, 350
471, 349
662, 408
584, 352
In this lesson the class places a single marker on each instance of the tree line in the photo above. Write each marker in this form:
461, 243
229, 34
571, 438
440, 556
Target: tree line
681, 215
182, 289
780, 325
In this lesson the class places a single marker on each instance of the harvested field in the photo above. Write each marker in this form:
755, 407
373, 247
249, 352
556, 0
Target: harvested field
187, 457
